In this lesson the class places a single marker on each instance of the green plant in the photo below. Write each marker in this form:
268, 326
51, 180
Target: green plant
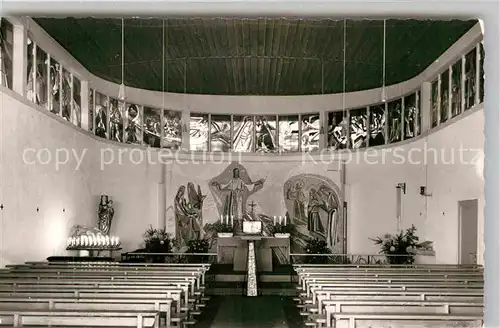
400, 248
283, 228
221, 227
198, 246
157, 241
317, 246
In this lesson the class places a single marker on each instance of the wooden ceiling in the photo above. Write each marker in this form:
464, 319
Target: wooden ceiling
230, 56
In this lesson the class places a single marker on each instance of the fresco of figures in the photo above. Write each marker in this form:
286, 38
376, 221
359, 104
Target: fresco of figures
314, 206
188, 215
231, 190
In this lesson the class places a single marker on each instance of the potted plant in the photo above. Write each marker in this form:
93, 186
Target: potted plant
198, 246
317, 246
400, 248
157, 241
224, 230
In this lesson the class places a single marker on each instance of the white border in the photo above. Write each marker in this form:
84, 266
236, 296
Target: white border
486, 10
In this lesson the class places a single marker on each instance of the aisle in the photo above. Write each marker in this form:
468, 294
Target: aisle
251, 312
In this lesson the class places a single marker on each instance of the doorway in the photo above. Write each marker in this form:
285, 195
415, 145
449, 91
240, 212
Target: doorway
468, 230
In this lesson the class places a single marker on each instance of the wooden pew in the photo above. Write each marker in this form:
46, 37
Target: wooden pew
396, 306
351, 320
456, 292
139, 319
65, 276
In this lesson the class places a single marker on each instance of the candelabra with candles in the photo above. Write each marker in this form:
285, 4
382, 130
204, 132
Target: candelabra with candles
281, 220
90, 242
280, 227
229, 220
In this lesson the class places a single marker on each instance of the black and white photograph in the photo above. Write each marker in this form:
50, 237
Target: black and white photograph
240, 171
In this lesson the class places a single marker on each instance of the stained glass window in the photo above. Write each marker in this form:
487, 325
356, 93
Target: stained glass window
434, 104
172, 129
198, 134
6, 53
470, 79
288, 133
152, 126
377, 125
410, 115
220, 133
337, 130
243, 136
310, 132
456, 88
358, 127
394, 109
116, 110
133, 125
101, 115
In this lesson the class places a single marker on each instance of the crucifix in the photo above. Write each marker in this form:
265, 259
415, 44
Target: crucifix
252, 205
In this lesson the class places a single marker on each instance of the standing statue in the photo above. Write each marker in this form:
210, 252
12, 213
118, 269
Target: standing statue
106, 213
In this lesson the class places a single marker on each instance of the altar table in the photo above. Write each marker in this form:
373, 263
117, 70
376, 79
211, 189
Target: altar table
235, 250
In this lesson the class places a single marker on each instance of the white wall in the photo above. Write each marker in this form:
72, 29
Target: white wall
64, 196
371, 188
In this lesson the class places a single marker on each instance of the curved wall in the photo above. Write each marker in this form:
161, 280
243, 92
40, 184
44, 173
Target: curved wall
253, 104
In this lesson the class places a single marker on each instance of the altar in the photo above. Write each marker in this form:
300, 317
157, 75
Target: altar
234, 250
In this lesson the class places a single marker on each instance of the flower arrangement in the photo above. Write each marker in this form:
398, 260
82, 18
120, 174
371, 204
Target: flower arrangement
157, 241
317, 246
198, 246
221, 227
400, 248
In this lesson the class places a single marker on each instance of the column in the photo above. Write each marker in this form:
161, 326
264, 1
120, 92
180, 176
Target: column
20, 59
251, 270
162, 199
425, 107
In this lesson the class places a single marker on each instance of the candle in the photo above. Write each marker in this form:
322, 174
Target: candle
274, 220
284, 219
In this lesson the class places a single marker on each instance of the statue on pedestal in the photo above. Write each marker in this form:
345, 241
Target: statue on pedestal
106, 213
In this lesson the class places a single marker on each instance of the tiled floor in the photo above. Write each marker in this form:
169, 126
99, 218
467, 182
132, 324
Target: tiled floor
250, 312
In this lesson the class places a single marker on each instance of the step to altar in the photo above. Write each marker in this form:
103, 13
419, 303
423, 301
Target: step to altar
239, 288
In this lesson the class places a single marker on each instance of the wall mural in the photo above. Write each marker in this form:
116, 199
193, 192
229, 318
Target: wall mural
231, 190
188, 215
313, 204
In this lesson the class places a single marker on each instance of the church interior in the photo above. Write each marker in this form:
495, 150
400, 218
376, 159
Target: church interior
241, 172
